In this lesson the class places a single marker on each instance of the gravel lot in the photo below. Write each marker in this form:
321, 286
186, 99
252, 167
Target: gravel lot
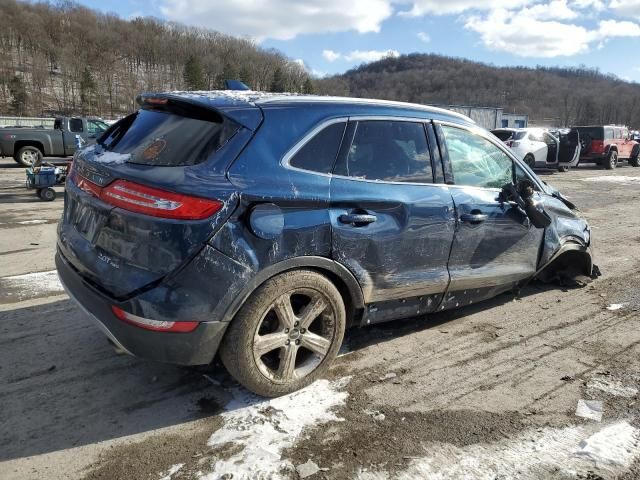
486, 392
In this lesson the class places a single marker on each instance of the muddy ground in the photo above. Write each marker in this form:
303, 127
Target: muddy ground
486, 392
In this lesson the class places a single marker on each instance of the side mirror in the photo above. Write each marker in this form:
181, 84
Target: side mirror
523, 195
533, 207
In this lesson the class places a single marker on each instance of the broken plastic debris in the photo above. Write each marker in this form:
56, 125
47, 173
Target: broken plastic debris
615, 306
389, 376
591, 409
307, 469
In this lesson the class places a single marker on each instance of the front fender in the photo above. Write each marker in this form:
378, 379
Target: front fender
568, 231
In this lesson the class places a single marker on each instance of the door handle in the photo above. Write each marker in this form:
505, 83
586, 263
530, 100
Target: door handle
473, 218
357, 219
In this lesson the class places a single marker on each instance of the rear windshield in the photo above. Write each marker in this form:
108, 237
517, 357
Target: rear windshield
163, 138
503, 135
595, 133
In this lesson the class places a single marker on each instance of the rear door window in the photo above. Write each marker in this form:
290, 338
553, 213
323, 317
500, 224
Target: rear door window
475, 161
75, 125
391, 151
163, 138
319, 153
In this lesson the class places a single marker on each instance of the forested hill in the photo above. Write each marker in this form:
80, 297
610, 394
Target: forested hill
64, 58
548, 95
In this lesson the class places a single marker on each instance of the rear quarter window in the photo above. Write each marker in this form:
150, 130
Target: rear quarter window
163, 138
319, 153
594, 133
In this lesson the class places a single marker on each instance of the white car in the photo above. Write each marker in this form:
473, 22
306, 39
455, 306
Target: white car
540, 148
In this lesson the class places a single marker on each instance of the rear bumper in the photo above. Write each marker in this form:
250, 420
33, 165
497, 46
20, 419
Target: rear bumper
193, 348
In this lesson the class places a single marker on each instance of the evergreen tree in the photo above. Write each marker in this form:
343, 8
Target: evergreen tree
278, 82
308, 86
88, 89
194, 74
19, 95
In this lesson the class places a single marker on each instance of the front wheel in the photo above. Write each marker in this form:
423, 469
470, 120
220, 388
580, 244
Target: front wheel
612, 160
286, 334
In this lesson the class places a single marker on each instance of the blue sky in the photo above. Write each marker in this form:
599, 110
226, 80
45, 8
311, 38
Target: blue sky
331, 36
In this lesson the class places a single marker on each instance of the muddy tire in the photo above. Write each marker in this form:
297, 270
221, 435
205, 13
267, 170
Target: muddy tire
611, 161
286, 334
530, 160
28, 155
634, 161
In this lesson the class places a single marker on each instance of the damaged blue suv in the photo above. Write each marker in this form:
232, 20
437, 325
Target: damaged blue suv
259, 227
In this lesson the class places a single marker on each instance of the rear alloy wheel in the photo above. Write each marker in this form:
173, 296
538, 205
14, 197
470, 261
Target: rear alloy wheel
530, 160
612, 160
27, 156
286, 334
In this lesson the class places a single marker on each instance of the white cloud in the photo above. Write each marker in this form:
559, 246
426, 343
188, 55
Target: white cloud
626, 8
359, 55
555, 10
330, 55
527, 37
424, 37
279, 19
370, 55
536, 32
597, 5
438, 7
612, 28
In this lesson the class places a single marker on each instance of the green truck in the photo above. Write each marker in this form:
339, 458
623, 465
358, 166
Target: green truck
27, 145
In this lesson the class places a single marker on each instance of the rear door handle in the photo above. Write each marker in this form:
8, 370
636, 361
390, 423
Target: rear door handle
357, 219
473, 218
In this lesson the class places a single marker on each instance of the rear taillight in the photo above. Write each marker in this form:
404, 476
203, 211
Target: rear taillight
148, 200
158, 203
512, 143
154, 325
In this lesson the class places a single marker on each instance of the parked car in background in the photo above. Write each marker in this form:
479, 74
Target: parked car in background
27, 145
542, 148
606, 145
260, 226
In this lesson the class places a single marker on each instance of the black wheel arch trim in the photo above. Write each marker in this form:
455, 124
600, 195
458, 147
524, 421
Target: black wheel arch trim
320, 264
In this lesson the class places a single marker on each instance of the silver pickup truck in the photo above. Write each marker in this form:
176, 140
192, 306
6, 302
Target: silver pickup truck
27, 144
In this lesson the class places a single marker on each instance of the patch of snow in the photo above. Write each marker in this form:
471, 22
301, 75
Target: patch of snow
235, 96
263, 428
612, 387
625, 180
591, 409
111, 158
615, 306
547, 453
612, 445
172, 471
31, 284
32, 222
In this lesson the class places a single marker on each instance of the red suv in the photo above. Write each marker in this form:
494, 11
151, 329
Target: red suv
606, 145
